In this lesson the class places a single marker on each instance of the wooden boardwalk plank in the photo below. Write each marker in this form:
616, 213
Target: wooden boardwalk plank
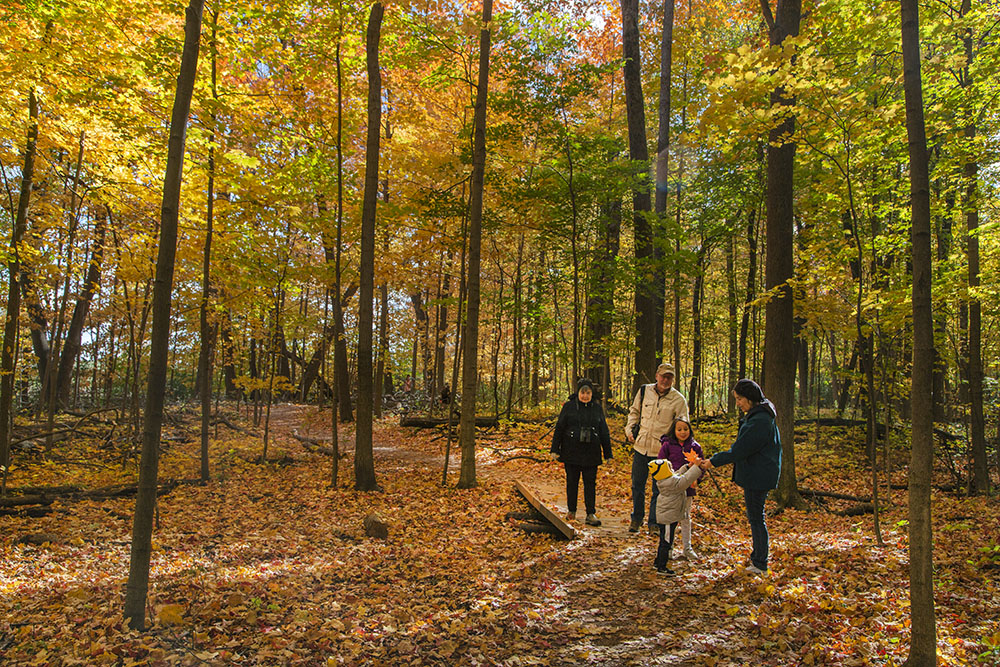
567, 530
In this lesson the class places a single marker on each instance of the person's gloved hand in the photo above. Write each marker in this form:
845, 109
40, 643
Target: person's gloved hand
554, 456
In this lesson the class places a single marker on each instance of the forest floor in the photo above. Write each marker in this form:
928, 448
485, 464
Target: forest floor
269, 565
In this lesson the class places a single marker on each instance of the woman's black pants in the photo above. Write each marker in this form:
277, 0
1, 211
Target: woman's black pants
589, 474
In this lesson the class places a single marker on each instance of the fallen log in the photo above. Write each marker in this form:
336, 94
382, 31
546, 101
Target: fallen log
38, 539
313, 445
103, 493
831, 494
858, 510
43, 490
219, 419
539, 527
434, 422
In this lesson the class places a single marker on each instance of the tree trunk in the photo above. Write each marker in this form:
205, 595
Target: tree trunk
779, 341
50, 387
732, 374
71, 347
678, 215
228, 356
600, 306
923, 639
207, 335
662, 168
142, 527
694, 393
518, 347
470, 376
941, 310
364, 463
8, 355
536, 330
980, 482
338, 315
645, 287
751, 291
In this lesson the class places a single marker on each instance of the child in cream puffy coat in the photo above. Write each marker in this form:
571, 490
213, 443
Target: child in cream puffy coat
671, 505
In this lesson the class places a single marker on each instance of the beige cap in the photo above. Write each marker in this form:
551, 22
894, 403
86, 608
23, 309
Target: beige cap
664, 369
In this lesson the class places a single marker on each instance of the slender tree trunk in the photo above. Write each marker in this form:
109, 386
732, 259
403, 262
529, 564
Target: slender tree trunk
91, 283
732, 373
518, 347
276, 343
228, 356
383, 379
694, 394
662, 167
470, 375
50, 385
645, 287
980, 482
600, 307
679, 278
207, 338
459, 341
364, 463
751, 291
941, 310
8, 356
142, 527
575, 254
536, 330
779, 342
338, 315
923, 633
383, 382
342, 381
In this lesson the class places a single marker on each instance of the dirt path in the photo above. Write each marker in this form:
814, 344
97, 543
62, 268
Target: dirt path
605, 603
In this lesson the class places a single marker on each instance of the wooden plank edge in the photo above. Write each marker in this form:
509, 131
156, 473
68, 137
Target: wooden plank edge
567, 530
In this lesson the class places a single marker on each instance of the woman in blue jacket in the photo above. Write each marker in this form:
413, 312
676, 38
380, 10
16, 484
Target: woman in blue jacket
580, 439
756, 459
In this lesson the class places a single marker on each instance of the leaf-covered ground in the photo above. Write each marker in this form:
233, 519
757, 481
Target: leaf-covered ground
269, 565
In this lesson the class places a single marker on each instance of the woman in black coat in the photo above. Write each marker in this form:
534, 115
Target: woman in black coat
580, 438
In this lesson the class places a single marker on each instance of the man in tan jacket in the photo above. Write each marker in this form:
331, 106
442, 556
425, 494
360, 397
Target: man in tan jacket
653, 410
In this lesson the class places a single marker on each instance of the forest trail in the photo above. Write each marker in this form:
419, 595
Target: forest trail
604, 583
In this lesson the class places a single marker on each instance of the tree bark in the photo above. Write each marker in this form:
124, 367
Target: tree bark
8, 355
205, 326
91, 283
923, 639
751, 291
662, 170
980, 482
364, 463
779, 341
943, 230
733, 328
694, 393
338, 316
600, 306
142, 527
470, 375
50, 387
645, 284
